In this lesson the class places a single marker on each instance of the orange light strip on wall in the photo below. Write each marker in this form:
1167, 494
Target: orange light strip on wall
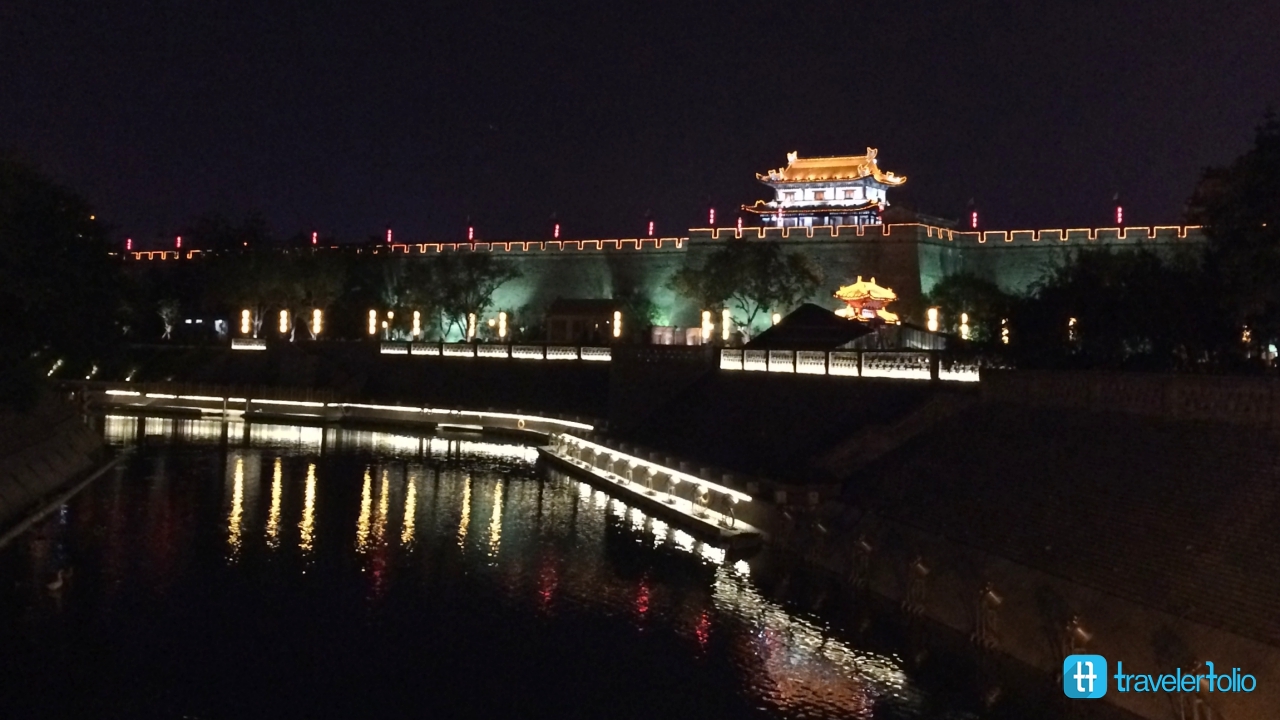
760, 233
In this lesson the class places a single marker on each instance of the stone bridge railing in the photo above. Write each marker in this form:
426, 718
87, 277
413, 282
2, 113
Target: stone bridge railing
902, 365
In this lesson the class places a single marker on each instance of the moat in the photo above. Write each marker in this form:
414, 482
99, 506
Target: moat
288, 571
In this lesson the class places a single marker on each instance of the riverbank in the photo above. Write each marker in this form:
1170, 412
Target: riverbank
43, 450
1036, 515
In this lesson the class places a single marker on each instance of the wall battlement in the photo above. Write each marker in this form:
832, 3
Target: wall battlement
906, 232
916, 232
911, 258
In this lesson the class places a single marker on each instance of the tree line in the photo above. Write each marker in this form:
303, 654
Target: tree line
1128, 308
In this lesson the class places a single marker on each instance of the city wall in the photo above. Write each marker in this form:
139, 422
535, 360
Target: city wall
909, 258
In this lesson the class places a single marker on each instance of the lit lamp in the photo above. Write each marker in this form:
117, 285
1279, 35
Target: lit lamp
725, 324
471, 326
417, 323
707, 327
1004, 331
617, 323
502, 325
964, 326
373, 322
246, 322
933, 319
777, 318
284, 321
316, 317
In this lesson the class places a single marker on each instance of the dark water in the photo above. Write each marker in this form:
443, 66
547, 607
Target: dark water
219, 575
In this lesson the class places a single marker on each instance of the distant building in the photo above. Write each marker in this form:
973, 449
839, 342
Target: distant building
833, 210
581, 321
846, 190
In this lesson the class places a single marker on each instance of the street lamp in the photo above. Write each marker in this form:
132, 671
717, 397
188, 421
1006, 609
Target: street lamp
246, 322
316, 317
373, 322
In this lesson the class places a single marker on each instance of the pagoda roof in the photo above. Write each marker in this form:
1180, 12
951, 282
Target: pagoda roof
865, 290
845, 167
825, 208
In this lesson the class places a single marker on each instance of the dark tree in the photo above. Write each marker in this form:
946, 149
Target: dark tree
1115, 308
59, 290
752, 278
1239, 205
983, 300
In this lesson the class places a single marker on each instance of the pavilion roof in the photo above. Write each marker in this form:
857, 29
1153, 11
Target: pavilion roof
845, 167
865, 290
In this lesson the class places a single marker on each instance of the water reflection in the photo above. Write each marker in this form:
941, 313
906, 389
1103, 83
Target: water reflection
466, 514
380, 523
553, 548
237, 509
410, 509
273, 516
366, 505
495, 522
307, 526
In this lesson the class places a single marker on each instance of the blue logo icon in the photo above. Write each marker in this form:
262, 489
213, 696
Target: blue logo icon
1084, 676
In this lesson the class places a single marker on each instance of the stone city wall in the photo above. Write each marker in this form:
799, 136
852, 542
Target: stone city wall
910, 258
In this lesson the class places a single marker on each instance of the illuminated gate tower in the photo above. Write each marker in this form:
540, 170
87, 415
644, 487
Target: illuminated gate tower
825, 191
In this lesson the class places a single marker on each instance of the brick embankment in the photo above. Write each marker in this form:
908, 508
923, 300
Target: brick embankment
1147, 540
41, 451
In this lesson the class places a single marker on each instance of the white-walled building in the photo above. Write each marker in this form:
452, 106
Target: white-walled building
848, 190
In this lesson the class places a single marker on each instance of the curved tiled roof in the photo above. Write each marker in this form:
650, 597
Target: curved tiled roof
865, 290
846, 167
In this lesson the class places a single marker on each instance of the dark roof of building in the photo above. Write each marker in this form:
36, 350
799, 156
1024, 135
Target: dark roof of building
1175, 515
810, 327
583, 306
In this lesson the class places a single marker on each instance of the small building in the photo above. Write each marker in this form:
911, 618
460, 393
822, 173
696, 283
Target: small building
582, 321
845, 190
865, 300
810, 327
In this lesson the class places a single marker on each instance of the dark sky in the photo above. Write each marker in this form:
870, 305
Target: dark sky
346, 117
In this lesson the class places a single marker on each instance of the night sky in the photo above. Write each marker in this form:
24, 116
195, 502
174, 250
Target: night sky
347, 117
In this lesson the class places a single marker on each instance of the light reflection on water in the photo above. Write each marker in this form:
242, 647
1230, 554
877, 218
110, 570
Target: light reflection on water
555, 556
